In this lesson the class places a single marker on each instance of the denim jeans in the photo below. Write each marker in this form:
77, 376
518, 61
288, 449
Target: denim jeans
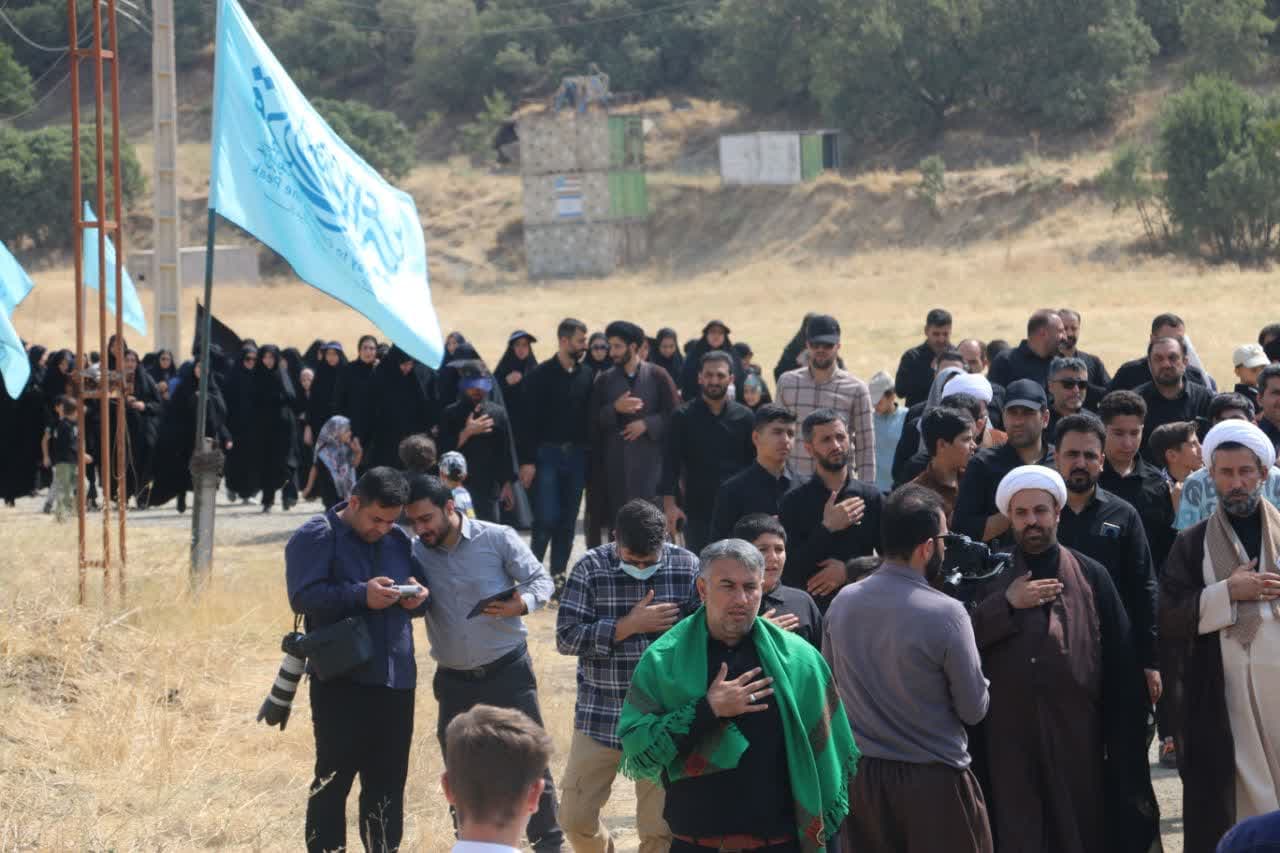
557, 494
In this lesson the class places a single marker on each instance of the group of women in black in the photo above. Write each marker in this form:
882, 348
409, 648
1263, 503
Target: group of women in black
292, 425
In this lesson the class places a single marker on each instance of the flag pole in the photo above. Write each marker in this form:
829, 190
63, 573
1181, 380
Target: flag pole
206, 459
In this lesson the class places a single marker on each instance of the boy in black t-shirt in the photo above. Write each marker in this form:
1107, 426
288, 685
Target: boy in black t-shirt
59, 446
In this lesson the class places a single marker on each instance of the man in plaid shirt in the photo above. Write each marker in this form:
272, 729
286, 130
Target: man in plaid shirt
822, 384
619, 598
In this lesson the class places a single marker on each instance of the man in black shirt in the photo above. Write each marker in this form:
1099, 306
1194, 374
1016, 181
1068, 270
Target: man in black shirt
830, 518
916, 368
1269, 402
759, 487
1102, 526
553, 452
1030, 359
708, 441
1128, 476
1068, 386
1169, 396
1098, 376
1026, 415
789, 608
479, 429
1138, 372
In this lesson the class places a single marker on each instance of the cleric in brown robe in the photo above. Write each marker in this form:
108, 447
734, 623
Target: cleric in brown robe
1066, 730
631, 404
1220, 628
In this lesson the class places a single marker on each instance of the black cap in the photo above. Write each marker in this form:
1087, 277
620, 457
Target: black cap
1026, 393
521, 333
822, 329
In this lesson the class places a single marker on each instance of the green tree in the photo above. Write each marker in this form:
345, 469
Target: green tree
1164, 19
1227, 36
1073, 62
763, 56
1217, 147
15, 83
35, 166
893, 66
376, 135
477, 136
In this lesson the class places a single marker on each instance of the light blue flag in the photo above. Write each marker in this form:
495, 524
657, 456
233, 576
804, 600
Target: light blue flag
132, 307
281, 173
15, 284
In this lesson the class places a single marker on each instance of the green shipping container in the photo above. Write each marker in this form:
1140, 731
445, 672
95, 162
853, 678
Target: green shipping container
628, 195
626, 142
810, 156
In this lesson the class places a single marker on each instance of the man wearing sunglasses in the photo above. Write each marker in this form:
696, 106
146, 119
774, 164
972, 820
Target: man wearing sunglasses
1068, 387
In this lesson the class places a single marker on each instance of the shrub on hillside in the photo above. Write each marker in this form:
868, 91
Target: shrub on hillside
376, 135
35, 176
1219, 152
15, 83
1227, 36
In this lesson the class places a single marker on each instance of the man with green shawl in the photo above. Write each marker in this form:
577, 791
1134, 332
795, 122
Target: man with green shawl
725, 701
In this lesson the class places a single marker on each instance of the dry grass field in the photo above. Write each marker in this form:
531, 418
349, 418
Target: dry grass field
128, 725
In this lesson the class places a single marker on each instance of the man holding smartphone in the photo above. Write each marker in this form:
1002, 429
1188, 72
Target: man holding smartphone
354, 562
482, 659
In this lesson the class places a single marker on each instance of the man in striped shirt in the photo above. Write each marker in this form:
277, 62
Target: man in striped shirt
822, 384
619, 598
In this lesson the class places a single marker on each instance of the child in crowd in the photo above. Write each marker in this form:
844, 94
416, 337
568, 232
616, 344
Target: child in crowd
453, 470
59, 446
888, 418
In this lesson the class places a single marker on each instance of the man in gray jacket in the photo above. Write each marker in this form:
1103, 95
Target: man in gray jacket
909, 693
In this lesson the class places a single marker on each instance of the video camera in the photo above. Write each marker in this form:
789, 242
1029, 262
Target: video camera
967, 566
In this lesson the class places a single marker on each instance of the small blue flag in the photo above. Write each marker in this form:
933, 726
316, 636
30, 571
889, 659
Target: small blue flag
132, 307
15, 284
282, 174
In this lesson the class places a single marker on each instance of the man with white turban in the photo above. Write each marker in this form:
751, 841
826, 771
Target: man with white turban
1065, 736
1220, 641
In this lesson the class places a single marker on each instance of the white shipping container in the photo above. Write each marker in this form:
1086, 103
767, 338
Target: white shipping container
760, 158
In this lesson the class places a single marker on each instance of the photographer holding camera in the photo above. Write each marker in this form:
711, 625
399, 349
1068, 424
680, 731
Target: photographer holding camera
351, 575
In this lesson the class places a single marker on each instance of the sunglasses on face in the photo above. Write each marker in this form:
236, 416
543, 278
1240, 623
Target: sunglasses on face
1068, 384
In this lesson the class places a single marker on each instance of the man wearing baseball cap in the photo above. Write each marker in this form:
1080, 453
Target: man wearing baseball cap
1026, 415
889, 419
1249, 359
823, 384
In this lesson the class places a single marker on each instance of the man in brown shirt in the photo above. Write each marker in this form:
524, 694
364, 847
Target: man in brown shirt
949, 439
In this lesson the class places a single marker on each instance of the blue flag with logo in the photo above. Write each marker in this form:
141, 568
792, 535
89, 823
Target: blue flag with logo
133, 314
281, 173
15, 284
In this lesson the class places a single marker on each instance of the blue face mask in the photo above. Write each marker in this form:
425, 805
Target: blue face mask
639, 573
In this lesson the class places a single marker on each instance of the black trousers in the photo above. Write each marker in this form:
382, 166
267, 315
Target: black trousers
364, 731
512, 686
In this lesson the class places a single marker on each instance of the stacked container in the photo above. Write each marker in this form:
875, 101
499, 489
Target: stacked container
586, 203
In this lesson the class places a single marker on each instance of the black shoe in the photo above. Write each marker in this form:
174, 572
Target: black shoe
182, 502
266, 508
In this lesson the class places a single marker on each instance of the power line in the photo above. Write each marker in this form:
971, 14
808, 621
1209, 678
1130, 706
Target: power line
43, 98
496, 32
20, 34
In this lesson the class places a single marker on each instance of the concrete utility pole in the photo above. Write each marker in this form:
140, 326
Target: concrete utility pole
166, 268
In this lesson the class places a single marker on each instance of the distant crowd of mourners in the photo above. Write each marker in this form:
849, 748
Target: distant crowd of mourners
944, 610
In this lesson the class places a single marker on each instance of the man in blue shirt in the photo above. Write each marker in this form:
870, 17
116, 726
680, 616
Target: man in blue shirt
347, 563
482, 659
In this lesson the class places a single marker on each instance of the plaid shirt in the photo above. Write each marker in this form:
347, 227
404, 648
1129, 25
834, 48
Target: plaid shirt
849, 396
598, 594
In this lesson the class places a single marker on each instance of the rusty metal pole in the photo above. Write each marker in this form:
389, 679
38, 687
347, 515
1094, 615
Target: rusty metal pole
82, 363
122, 431
104, 386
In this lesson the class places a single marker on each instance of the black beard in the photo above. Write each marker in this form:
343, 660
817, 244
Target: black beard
715, 394
1167, 383
1050, 539
834, 467
933, 570
1074, 484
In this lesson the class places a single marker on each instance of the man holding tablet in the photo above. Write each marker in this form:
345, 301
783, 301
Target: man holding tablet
481, 659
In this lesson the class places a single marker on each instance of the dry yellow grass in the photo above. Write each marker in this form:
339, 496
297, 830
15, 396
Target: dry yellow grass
131, 726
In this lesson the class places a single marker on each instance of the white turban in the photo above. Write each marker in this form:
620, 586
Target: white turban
1030, 477
974, 384
1241, 432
